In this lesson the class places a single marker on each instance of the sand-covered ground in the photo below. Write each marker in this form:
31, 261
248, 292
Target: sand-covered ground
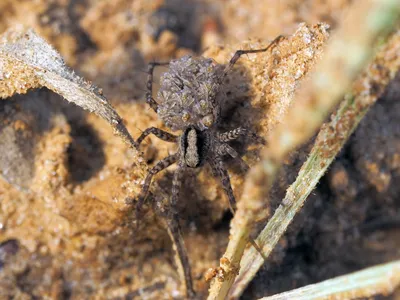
66, 229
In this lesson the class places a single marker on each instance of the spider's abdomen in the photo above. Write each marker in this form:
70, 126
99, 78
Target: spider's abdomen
187, 94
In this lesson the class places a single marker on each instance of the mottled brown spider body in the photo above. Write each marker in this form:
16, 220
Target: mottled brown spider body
188, 101
188, 93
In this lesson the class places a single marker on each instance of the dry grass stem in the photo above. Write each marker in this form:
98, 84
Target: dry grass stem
367, 21
378, 280
27, 61
331, 138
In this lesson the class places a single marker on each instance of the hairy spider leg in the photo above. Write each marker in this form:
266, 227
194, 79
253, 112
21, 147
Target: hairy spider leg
161, 134
179, 246
225, 149
159, 166
239, 53
176, 184
233, 135
149, 92
236, 133
220, 169
226, 185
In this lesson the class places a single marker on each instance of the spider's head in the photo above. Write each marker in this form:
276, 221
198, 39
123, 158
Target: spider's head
194, 146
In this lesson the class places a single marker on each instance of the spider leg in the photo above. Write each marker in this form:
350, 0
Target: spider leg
220, 169
239, 53
175, 233
224, 149
226, 184
149, 92
161, 165
161, 134
237, 132
176, 184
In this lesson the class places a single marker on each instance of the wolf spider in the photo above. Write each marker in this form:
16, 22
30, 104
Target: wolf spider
189, 103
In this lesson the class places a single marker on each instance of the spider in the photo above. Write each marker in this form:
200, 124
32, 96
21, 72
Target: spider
188, 102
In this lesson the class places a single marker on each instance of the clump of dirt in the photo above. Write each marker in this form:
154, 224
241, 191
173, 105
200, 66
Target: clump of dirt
69, 233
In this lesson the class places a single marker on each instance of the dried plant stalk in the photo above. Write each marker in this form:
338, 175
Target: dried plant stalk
378, 280
331, 138
367, 21
28, 61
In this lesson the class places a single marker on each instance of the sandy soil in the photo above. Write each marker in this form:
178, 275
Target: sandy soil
66, 231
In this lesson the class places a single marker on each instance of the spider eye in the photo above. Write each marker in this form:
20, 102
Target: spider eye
208, 120
185, 116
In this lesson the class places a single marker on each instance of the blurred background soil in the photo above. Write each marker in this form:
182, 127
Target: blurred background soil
66, 231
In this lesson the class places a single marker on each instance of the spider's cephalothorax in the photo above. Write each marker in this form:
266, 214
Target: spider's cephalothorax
194, 146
